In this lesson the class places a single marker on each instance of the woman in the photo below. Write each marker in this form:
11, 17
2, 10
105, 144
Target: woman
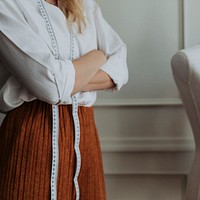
54, 56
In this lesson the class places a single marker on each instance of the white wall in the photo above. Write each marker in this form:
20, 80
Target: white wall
146, 139
153, 32
192, 27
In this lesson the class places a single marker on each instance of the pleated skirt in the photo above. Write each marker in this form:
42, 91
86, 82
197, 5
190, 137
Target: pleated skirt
26, 154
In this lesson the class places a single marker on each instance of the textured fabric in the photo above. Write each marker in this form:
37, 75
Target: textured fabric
186, 71
28, 68
25, 152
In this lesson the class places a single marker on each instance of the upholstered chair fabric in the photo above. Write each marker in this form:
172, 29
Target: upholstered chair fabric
186, 71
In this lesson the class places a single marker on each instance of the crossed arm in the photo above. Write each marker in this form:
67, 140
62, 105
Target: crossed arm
88, 76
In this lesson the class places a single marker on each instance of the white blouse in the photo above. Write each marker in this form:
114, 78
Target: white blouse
28, 67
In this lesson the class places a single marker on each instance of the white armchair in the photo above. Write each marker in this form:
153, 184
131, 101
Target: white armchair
186, 71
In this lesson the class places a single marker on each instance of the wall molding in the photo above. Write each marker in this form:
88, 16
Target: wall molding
138, 102
147, 156
184, 23
148, 163
128, 144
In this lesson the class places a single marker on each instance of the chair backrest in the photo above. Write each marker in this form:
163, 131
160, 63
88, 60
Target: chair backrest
186, 71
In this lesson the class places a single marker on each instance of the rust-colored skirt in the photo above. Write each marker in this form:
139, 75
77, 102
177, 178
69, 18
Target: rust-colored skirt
25, 154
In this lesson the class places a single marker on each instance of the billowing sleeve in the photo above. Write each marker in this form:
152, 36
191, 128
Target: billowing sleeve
28, 58
115, 49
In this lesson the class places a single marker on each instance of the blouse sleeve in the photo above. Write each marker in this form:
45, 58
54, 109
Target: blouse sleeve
111, 44
27, 57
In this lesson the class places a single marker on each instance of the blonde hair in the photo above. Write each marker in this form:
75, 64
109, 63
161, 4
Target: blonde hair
73, 10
